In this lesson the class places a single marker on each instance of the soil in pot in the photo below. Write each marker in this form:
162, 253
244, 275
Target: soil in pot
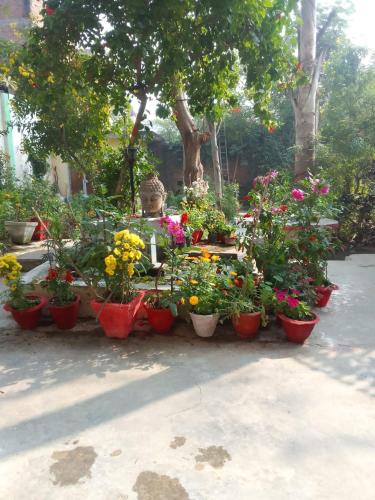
246, 325
65, 317
323, 294
298, 330
29, 318
161, 320
204, 324
117, 319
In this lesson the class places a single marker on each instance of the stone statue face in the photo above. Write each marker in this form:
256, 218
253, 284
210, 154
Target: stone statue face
152, 203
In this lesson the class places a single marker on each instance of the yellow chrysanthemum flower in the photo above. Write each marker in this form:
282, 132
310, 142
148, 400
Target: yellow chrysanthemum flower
215, 258
193, 300
232, 273
193, 282
179, 282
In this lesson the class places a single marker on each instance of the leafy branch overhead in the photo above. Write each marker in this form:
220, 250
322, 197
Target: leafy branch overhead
89, 58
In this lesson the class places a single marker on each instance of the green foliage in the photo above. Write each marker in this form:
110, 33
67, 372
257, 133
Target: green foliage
229, 202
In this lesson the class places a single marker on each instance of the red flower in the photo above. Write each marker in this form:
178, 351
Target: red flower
313, 237
69, 277
49, 10
247, 198
52, 274
246, 216
284, 208
184, 218
271, 130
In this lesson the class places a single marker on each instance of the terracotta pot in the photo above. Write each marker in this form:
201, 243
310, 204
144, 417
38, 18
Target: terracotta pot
161, 320
204, 324
196, 236
117, 319
40, 233
230, 240
29, 318
65, 316
323, 294
20, 232
220, 237
246, 325
298, 331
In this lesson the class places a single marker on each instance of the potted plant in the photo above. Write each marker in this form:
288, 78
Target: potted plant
297, 319
18, 224
63, 304
161, 306
25, 307
201, 294
226, 233
193, 222
245, 303
213, 223
116, 310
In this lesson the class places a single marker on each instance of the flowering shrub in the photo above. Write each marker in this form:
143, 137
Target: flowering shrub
58, 285
120, 265
289, 303
10, 272
174, 229
199, 284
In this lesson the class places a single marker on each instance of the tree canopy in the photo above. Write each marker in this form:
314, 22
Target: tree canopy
88, 58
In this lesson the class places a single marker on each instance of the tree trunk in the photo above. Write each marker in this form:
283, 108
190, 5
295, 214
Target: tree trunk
304, 100
215, 160
192, 140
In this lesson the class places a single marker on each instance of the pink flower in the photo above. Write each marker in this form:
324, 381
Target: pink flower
298, 194
295, 291
292, 302
324, 189
280, 295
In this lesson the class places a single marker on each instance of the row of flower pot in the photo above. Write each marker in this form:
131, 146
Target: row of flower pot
117, 319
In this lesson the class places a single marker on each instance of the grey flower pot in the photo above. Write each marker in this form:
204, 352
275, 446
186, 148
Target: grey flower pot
20, 232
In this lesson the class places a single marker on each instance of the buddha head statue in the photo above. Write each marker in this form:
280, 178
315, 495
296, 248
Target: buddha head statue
153, 195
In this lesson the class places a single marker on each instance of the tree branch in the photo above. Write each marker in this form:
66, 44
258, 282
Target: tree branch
326, 25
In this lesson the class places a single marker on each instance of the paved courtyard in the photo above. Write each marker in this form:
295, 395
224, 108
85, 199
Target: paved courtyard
178, 417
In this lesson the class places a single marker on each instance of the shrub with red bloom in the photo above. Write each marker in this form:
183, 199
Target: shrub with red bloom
52, 274
69, 277
49, 10
247, 198
184, 218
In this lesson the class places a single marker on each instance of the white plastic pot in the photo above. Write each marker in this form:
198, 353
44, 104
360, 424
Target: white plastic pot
204, 324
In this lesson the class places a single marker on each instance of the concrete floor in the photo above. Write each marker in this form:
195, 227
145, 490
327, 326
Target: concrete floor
156, 418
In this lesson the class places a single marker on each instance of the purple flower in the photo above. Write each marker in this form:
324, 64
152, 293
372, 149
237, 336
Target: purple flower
298, 194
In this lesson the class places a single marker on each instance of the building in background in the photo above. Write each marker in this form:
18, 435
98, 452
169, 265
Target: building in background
16, 15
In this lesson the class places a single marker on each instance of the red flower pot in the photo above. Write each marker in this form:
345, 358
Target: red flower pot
196, 236
28, 319
40, 233
323, 294
117, 319
296, 330
161, 320
246, 325
65, 316
220, 238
